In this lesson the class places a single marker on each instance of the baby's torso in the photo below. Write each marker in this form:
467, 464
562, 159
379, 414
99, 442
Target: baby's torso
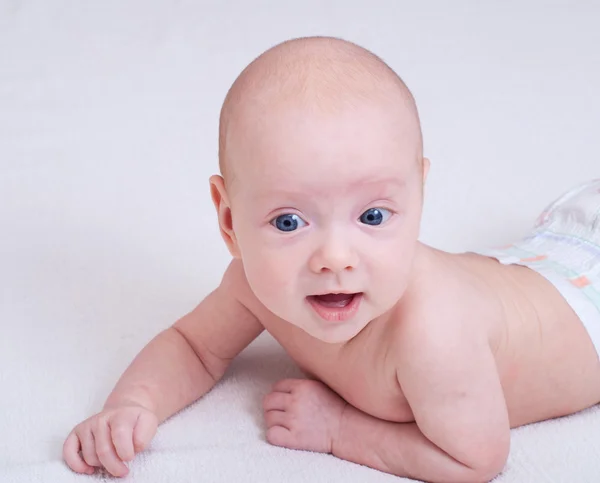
546, 362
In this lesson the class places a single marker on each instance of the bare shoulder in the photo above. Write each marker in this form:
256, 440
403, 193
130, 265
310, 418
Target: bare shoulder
235, 285
234, 279
430, 329
449, 305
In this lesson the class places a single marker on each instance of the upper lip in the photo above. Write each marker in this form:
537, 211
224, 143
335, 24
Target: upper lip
336, 292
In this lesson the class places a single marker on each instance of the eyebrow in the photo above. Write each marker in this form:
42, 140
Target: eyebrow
384, 182
371, 183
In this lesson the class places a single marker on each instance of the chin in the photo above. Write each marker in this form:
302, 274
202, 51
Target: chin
336, 335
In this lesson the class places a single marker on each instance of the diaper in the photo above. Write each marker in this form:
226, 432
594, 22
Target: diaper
564, 247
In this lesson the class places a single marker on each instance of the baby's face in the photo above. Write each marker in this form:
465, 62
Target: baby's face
322, 204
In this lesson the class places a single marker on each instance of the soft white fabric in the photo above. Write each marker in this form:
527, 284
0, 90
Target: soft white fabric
108, 123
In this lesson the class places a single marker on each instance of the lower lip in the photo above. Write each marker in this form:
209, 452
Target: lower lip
336, 314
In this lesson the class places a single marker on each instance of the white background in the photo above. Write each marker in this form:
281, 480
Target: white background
108, 134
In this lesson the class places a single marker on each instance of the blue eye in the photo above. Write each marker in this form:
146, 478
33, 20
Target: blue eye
375, 216
287, 222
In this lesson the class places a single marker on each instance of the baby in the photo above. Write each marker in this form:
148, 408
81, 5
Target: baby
419, 361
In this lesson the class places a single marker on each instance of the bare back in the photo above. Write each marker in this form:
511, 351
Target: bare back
547, 363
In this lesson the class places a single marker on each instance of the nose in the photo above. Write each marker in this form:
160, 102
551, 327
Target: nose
335, 255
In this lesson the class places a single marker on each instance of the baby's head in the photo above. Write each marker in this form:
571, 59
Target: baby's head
320, 152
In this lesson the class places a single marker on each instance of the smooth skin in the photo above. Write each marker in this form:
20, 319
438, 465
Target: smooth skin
445, 353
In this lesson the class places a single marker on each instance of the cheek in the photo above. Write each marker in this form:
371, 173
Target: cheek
393, 261
393, 267
270, 275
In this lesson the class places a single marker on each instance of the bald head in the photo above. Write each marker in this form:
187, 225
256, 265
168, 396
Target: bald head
322, 73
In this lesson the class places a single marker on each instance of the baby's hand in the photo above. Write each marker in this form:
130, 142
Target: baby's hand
109, 438
303, 414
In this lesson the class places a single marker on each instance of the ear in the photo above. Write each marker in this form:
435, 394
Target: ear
220, 199
426, 165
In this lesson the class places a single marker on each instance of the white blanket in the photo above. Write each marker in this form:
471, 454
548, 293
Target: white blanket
108, 122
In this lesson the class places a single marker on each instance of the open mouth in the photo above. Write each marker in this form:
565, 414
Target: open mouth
335, 307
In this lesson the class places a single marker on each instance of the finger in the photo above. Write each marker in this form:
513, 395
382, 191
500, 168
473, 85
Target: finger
72, 457
106, 451
277, 400
279, 436
277, 418
286, 385
144, 431
88, 446
121, 433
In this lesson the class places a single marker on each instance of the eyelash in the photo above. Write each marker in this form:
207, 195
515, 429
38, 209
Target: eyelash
380, 208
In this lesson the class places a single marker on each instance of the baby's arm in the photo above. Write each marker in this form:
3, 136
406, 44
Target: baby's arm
462, 431
185, 361
177, 367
